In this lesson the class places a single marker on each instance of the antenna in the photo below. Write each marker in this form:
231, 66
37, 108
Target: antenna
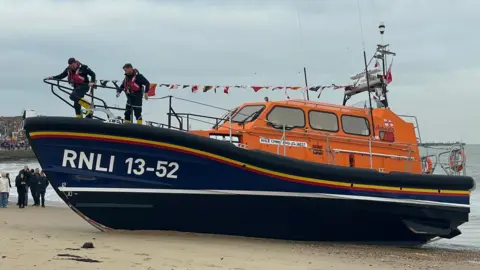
299, 24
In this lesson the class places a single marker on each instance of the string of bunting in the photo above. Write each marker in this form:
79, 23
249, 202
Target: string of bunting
226, 89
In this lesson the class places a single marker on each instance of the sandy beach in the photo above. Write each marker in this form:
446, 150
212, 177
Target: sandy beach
51, 238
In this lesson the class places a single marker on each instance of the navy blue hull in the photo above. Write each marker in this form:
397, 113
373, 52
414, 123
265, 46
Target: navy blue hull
165, 180
296, 218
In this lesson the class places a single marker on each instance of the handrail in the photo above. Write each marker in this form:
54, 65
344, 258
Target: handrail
373, 154
318, 104
62, 88
335, 136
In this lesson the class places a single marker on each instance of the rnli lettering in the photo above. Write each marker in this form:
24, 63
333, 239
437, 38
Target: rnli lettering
91, 161
280, 142
106, 163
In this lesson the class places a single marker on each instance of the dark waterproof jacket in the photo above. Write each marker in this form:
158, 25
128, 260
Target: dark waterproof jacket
84, 70
27, 175
35, 181
21, 183
139, 79
42, 184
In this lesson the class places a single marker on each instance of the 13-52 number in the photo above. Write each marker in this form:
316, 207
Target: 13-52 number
164, 168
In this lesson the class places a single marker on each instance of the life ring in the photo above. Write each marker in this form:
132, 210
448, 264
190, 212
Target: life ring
427, 165
457, 160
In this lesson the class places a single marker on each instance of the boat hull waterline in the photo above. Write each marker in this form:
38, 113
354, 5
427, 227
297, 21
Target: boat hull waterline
156, 179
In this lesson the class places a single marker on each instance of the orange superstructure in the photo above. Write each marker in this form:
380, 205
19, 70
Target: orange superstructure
324, 133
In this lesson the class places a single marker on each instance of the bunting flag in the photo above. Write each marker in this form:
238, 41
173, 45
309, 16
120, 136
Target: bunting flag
207, 88
151, 90
226, 88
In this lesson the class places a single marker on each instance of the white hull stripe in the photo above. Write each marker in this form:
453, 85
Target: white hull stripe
259, 193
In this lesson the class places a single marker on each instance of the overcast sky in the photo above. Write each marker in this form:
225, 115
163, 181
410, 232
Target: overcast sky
249, 42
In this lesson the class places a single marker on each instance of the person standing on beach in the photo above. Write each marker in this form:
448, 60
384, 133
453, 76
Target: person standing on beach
4, 190
34, 187
42, 187
26, 176
22, 188
9, 185
133, 85
78, 77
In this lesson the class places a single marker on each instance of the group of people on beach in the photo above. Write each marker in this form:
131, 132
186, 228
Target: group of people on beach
35, 180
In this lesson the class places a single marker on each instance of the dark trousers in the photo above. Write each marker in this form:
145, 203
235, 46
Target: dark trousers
134, 102
77, 94
35, 196
24, 199
21, 198
42, 196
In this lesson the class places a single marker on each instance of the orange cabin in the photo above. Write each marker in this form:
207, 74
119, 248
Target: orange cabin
324, 133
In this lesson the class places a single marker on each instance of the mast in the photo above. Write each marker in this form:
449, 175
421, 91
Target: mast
382, 52
368, 90
367, 75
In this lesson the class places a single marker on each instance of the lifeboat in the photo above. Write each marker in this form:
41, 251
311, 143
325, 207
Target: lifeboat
289, 169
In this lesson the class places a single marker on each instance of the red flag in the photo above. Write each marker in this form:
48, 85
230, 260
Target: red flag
278, 88
257, 88
294, 87
151, 90
389, 77
225, 90
174, 86
194, 88
376, 64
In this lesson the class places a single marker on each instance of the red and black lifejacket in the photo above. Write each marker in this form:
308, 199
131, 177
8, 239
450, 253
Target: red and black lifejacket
130, 85
74, 78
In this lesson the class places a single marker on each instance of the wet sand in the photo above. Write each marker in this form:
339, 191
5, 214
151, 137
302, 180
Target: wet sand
51, 238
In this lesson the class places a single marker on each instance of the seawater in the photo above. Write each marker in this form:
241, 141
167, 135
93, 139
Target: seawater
469, 239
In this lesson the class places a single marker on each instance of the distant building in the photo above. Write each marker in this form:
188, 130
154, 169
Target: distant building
11, 128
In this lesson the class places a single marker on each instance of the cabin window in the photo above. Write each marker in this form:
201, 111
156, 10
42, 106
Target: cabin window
290, 117
323, 121
248, 113
355, 125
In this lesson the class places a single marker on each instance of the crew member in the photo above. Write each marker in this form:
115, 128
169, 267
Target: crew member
133, 85
78, 77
